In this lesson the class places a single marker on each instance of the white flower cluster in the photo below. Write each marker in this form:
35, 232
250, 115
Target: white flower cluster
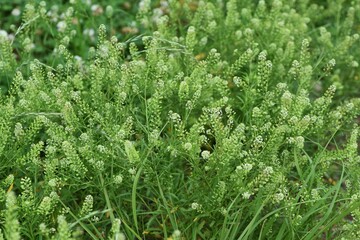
196, 206
205, 154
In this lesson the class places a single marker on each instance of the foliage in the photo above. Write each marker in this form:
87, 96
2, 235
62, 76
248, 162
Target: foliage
201, 120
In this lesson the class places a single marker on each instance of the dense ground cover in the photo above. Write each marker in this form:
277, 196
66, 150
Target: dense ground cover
179, 119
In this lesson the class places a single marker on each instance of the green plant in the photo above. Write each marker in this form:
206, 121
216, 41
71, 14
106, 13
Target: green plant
218, 120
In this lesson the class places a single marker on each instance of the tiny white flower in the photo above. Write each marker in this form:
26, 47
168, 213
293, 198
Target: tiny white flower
30, 7
248, 32
77, 58
223, 211
84, 137
132, 171
205, 154
176, 233
104, 51
118, 179
91, 32
144, 5
52, 182
247, 166
61, 26
11, 37
262, 56
299, 141
54, 195
69, 12
238, 168
195, 206
187, 146
268, 171
87, 2
42, 227
246, 195
315, 194
18, 131
94, 7
332, 62
3, 33
279, 197
203, 41
16, 12
164, 4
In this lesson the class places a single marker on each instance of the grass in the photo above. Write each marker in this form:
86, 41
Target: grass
179, 120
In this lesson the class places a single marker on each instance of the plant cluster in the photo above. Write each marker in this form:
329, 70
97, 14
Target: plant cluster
201, 120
